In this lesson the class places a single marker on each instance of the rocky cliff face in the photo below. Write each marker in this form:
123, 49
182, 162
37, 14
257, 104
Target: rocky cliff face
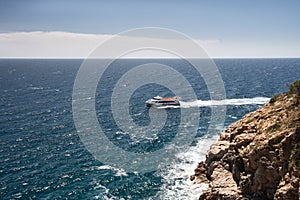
257, 157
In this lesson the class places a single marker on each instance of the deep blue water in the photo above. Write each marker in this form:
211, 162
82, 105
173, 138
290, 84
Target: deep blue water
41, 154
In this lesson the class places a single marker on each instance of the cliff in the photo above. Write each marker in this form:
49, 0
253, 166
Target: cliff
257, 157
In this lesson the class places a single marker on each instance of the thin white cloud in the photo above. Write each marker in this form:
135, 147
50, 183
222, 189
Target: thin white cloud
48, 44
71, 45
77, 45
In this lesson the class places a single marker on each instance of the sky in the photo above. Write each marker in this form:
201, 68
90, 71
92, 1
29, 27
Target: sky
73, 28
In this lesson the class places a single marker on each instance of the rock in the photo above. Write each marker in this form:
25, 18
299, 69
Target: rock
243, 139
287, 191
265, 179
257, 157
201, 168
217, 151
200, 174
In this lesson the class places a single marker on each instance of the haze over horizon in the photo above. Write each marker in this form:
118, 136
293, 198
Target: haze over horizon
72, 29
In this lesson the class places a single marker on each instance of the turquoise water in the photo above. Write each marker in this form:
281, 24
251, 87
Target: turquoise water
42, 156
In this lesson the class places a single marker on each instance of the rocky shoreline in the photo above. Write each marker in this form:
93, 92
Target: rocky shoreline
257, 157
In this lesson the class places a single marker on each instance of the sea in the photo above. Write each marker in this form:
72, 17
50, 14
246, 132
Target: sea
44, 156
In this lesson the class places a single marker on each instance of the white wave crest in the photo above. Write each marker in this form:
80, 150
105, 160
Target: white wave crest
177, 183
119, 172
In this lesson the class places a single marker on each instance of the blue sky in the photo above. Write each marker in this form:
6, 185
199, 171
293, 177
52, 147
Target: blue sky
266, 22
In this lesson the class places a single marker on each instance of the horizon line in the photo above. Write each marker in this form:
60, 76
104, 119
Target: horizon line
83, 58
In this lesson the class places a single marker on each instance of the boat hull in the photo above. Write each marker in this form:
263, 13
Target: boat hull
162, 102
149, 104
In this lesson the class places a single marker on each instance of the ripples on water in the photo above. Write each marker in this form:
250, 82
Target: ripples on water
42, 156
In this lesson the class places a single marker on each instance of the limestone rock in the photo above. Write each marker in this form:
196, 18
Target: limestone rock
257, 157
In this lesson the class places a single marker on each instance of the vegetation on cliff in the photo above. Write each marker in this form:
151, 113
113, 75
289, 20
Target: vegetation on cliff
258, 156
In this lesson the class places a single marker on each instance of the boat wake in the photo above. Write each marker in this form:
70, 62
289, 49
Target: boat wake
227, 102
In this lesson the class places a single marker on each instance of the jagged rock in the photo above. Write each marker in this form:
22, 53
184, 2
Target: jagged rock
257, 157
265, 179
243, 139
287, 191
200, 174
217, 151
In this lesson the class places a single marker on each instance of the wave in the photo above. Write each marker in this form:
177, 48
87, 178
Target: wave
176, 178
119, 172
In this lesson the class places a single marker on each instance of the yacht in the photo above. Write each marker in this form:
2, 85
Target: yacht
159, 101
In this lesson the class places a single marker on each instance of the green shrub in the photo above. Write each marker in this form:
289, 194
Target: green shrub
274, 98
295, 88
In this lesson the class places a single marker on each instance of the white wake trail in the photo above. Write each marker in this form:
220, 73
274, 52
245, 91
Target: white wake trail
235, 102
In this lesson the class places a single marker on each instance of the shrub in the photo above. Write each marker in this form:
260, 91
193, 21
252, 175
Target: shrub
274, 98
295, 88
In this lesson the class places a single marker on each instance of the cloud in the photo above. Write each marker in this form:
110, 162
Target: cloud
40, 44
72, 45
48, 44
